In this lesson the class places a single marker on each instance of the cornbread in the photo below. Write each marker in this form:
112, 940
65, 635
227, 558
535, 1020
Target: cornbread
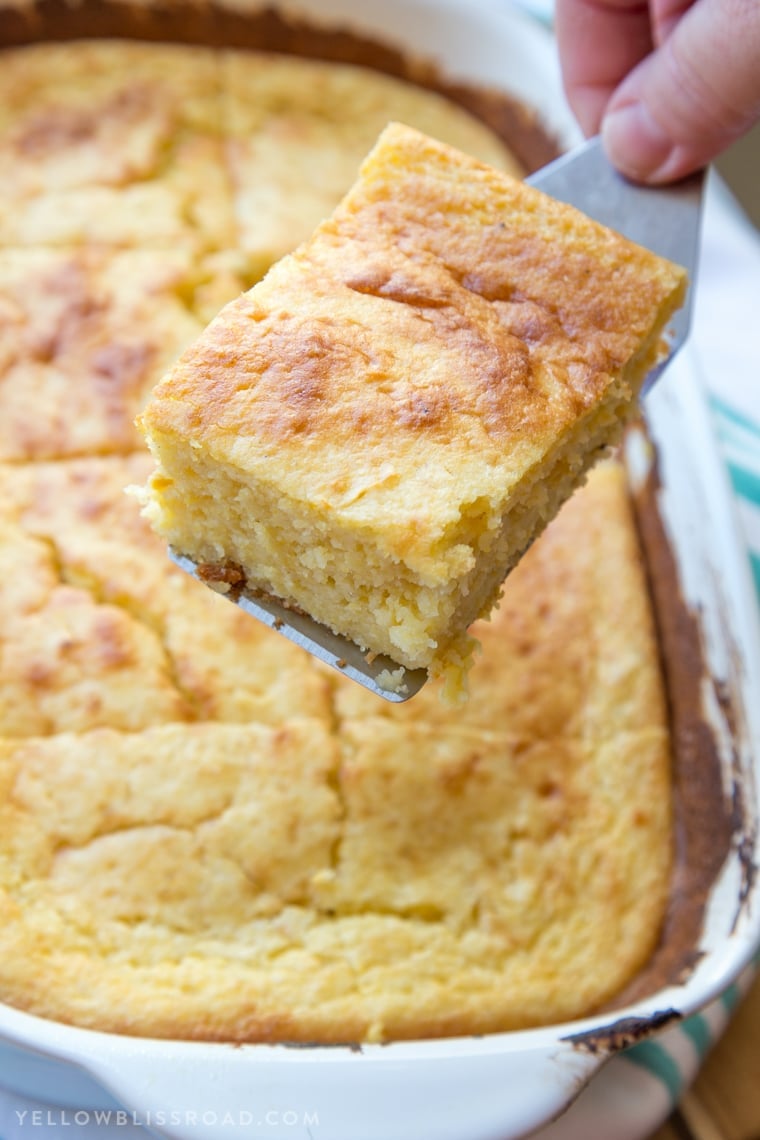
84, 336
115, 143
112, 620
202, 877
564, 592
203, 834
377, 431
309, 124
165, 146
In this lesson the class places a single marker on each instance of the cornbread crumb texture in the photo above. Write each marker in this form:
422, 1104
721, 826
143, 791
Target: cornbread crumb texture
202, 834
379, 428
579, 591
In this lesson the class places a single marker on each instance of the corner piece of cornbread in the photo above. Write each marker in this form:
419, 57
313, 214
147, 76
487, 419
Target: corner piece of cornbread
379, 429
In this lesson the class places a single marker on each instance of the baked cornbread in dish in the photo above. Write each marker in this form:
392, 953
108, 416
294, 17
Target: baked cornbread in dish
377, 431
144, 186
113, 142
85, 333
99, 629
301, 869
165, 146
203, 834
308, 125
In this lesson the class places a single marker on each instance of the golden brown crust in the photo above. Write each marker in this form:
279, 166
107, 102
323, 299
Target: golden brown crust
304, 898
133, 145
113, 143
519, 309
211, 25
84, 336
309, 125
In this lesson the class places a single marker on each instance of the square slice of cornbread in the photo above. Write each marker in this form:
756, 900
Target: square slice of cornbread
379, 429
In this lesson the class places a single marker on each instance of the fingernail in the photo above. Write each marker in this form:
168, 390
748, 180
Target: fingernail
634, 142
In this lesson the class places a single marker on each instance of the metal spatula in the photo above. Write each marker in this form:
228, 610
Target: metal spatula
318, 640
664, 220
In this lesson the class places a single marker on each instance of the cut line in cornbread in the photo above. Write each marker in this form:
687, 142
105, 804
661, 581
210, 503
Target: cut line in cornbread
378, 430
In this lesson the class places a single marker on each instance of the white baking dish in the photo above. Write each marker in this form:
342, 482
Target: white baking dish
505, 1085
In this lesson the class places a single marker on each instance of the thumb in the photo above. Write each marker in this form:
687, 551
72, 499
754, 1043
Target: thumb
692, 97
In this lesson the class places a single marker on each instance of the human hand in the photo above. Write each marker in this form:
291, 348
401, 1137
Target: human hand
669, 83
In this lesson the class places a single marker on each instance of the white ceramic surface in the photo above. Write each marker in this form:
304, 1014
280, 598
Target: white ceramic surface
503, 1086
628, 1099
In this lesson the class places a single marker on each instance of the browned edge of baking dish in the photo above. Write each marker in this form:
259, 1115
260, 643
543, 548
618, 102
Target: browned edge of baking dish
709, 821
714, 815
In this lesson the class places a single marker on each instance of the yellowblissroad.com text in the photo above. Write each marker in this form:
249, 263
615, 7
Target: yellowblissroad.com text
174, 1118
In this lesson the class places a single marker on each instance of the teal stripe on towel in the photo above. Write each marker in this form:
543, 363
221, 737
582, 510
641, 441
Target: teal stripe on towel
730, 997
754, 560
746, 483
733, 416
656, 1060
697, 1029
